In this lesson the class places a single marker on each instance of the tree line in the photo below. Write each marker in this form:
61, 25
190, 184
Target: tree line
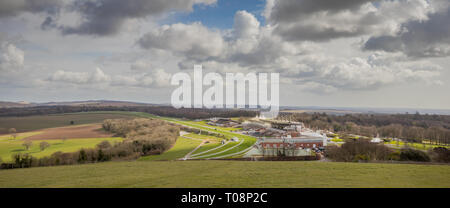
363, 150
189, 113
409, 127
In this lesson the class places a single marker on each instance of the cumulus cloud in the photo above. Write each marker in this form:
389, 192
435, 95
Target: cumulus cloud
96, 77
106, 17
154, 78
192, 40
378, 70
428, 38
11, 57
248, 43
245, 25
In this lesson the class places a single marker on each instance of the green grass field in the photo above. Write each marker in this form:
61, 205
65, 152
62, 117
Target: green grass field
182, 147
9, 147
31, 123
229, 174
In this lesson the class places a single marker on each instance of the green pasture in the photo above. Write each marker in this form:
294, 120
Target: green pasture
9, 147
182, 147
230, 174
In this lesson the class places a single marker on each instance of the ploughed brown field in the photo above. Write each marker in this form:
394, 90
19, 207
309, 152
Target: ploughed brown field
72, 132
32, 123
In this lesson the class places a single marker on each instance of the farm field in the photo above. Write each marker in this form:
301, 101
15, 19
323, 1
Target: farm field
31, 123
70, 132
229, 174
65, 139
9, 147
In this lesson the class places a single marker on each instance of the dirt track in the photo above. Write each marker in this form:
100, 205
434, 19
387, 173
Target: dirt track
71, 132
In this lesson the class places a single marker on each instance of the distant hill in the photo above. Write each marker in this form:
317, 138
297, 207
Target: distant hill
96, 103
285, 109
99, 103
4, 104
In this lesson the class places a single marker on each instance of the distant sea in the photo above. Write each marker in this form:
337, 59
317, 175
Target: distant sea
345, 110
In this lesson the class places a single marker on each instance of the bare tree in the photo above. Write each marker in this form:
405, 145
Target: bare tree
27, 144
44, 145
13, 132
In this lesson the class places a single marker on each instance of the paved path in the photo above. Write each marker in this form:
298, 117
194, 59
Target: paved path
210, 149
236, 153
188, 155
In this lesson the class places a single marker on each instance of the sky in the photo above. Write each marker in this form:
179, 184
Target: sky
347, 53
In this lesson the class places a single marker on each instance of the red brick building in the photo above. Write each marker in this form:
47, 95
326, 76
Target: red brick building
298, 142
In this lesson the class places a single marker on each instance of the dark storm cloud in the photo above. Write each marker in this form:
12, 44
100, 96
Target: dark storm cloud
386, 43
291, 10
14, 7
105, 17
314, 32
429, 38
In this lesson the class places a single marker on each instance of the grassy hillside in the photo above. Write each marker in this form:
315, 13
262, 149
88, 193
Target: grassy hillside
229, 174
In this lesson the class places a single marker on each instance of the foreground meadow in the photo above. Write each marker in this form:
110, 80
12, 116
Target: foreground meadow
229, 174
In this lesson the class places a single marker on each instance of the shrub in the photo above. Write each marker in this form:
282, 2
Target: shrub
414, 155
440, 154
358, 150
82, 156
23, 160
394, 156
361, 157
